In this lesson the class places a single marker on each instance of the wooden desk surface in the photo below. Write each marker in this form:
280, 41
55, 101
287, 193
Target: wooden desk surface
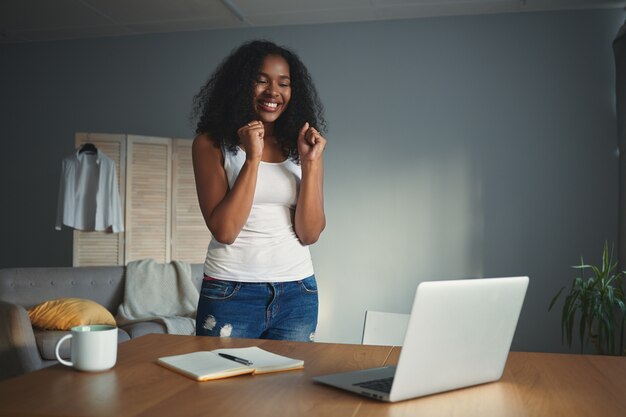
534, 384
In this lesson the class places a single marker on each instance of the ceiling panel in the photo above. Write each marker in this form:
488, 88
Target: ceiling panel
434, 2
21, 15
28, 20
512, 4
162, 27
74, 33
313, 16
265, 7
400, 11
148, 11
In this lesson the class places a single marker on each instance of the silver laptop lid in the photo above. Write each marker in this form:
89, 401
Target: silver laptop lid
459, 334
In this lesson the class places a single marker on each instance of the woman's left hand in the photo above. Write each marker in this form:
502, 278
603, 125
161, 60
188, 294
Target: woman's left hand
311, 143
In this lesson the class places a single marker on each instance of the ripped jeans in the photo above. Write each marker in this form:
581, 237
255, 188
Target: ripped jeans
265, 310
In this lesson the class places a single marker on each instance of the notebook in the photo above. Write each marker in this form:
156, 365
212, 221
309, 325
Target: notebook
459, 334
209, 365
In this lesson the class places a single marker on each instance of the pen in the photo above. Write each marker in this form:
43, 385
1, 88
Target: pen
236, 359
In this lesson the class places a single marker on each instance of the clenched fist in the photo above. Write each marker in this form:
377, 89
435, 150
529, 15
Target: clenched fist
251, 136
311, 143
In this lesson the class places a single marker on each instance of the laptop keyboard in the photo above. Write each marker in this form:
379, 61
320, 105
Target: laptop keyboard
381, 385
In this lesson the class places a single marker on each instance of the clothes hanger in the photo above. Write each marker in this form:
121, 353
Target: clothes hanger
89, 148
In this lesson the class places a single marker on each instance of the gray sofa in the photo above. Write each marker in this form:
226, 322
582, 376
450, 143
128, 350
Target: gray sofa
25, 349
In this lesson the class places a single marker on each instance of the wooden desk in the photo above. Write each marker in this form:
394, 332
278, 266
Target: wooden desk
534, 384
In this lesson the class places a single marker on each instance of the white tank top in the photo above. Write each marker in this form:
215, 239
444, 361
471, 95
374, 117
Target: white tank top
267, 248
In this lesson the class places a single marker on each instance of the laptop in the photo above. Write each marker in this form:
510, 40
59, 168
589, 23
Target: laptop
459, 335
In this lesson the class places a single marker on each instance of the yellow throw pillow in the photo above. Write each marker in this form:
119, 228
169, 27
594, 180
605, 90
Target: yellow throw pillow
65, 313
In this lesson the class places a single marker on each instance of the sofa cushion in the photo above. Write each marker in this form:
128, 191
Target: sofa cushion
47, 341
65, 313
144, 327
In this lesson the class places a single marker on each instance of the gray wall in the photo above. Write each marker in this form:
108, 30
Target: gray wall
458, 147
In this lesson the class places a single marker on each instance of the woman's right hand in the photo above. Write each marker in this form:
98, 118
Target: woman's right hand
251, 137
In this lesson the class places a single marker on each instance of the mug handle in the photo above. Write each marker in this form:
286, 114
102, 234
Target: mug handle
56, 350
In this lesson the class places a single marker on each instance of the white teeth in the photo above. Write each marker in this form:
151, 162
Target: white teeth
272, 105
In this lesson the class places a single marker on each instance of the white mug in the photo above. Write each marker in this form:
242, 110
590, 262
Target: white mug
94, 347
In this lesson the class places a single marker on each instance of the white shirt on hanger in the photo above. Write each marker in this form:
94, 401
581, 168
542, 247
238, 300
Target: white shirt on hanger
89, 198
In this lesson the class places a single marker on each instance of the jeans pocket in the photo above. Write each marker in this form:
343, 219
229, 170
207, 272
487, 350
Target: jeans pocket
309, 285
218, 289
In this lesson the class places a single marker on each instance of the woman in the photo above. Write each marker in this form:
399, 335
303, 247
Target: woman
258, 166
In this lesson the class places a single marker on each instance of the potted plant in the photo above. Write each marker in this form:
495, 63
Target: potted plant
600, 305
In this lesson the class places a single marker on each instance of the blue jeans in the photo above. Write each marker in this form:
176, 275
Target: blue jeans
272, 310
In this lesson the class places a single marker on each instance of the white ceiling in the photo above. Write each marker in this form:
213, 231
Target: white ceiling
45, 20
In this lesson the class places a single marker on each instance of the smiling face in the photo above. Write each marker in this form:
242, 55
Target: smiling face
272, 89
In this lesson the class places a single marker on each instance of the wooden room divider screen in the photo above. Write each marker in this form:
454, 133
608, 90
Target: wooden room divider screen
162, 219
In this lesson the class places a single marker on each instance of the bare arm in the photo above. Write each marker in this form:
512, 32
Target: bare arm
310, 219
225, 211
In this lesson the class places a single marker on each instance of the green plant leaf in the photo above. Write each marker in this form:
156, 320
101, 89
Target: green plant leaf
582, 327
569, 312
564, 318
621, 338
555, 298
608, 335
596, 272
601, 301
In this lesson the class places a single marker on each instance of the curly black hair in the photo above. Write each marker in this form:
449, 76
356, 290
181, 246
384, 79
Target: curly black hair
224, 103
